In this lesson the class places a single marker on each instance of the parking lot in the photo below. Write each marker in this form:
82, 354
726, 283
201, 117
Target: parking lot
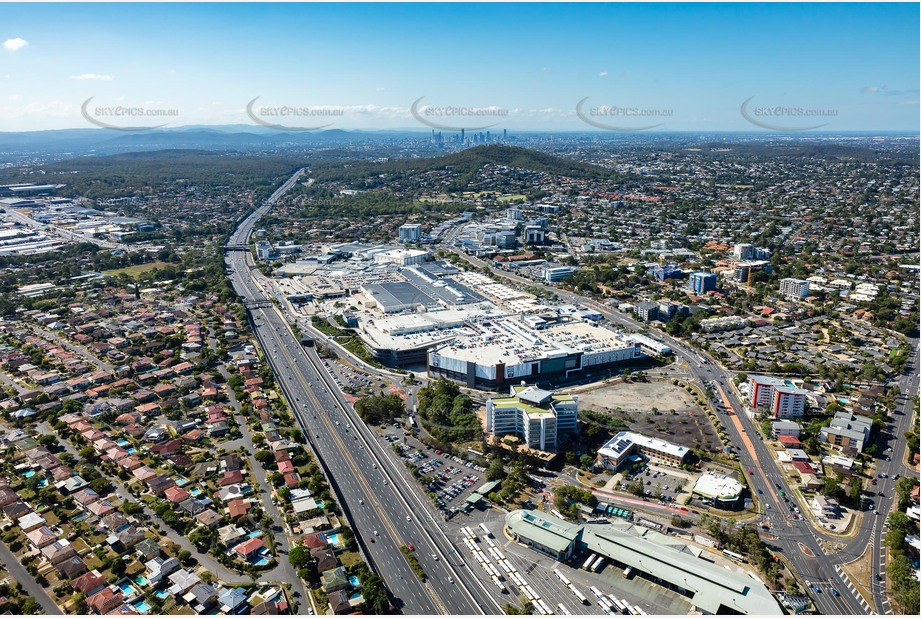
453, 478
661, 484
350, 380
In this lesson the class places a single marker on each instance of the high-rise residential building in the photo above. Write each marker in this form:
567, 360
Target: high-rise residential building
542, 419
701, 282
781, 399
747, 251
794, 289
513, 213
410, 232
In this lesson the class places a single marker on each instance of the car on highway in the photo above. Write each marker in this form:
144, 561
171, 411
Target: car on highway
835, 592
410, 547
434, 557
760, 492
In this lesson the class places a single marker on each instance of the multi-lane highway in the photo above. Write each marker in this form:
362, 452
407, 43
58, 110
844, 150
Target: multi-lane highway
796, 538
383, 505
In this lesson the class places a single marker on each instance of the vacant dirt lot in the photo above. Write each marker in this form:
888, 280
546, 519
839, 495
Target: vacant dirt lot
657, 409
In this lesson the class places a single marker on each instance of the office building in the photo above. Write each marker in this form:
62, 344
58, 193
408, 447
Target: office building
533, 235
558, 273
410, 232
542, 419
701, 282
667, 271
630, 446
794, 289
264, 250
780, 398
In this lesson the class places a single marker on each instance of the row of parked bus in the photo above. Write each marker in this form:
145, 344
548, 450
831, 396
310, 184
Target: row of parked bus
612, 605
571, 586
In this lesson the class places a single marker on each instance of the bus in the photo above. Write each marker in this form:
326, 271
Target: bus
733, 556
563, 610
628, 571
587, 565
619, 605
599, 564
486, 531
560, 576
578, 595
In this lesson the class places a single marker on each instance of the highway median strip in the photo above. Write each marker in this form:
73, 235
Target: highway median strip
414, 563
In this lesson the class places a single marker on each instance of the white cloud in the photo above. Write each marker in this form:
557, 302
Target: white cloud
93, 76
14, 44
603, 74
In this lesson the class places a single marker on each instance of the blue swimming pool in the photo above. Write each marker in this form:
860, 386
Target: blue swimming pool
131, 451
127, 589
29, 474
142, 607
123, 442
161, 594
254, 534
354, 581
140, 580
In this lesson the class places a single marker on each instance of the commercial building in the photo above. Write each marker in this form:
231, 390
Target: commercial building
264, 250
710, 588
667, 271
848, 431
541, 418
628, 445
794, 289
510, 350
719, 489
402, 257
410, 232
533, 235
743, 270
781, 399
701, 282
558, 273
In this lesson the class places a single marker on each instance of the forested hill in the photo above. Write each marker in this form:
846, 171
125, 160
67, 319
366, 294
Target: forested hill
464, 164
145, 173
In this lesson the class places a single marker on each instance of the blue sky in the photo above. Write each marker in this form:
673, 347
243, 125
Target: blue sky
690, 66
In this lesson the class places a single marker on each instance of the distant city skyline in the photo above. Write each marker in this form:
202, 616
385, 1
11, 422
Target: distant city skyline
535, 67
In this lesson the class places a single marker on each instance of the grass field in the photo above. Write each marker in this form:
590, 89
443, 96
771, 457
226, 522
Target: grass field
137, 269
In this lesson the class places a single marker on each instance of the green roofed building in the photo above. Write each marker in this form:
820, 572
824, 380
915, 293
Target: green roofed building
709, 587
539, 417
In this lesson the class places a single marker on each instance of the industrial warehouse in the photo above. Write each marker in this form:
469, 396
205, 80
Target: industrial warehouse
673, 564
